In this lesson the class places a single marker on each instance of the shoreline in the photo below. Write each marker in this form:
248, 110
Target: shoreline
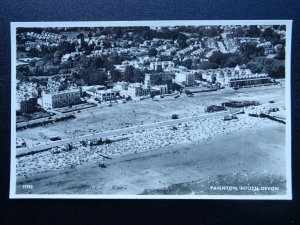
182, 154
198, 131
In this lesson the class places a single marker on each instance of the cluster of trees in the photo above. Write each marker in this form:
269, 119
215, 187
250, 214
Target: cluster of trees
225, 59
250, 50
90, 76
246, 52
271, 33
133, 75
221, 60
273, 67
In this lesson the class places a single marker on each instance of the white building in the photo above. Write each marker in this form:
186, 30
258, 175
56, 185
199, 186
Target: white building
162, 89
154, 78
161, 64
185, 78
234, 77
106, 95
133, 90
92, 90
121, 86
56, 81
60, 98
136, 90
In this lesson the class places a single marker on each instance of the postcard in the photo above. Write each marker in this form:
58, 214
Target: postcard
151, 109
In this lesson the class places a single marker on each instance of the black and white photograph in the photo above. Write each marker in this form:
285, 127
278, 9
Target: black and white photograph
151, 109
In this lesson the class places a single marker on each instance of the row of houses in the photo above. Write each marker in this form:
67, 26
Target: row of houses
235, 77
47, 36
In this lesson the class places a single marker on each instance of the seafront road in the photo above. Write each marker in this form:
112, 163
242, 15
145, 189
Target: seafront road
118, 132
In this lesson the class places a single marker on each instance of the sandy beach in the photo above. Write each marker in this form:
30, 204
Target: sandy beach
180, 164
197, 131
174, 160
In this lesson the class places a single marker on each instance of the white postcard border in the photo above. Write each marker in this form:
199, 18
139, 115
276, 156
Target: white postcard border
153, 23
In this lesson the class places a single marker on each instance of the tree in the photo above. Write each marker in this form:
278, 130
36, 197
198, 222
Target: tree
181, 40
50, 69
47, 57
38, 69
238, 32
62, 86
158, 81
138, 76
95, 77
250, 50
254, 31
148, 34
208, 65
115, 75
254, 67
273, 67
276, 69
67, 47
216, 57
152, 52
76, 75
84, 62
118, 32
106, 44
231, 62
102, 78
57, 57
188, 63
175, 87
99, 62
23, 72
128, 74
280, 52
80, 35
268, 34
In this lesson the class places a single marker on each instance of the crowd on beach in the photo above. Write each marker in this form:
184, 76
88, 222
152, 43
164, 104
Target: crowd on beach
199, 130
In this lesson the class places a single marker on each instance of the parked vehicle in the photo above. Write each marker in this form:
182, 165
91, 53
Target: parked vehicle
229, 117
174, 116
56, 138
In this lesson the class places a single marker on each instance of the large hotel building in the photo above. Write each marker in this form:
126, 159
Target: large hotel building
235, 77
